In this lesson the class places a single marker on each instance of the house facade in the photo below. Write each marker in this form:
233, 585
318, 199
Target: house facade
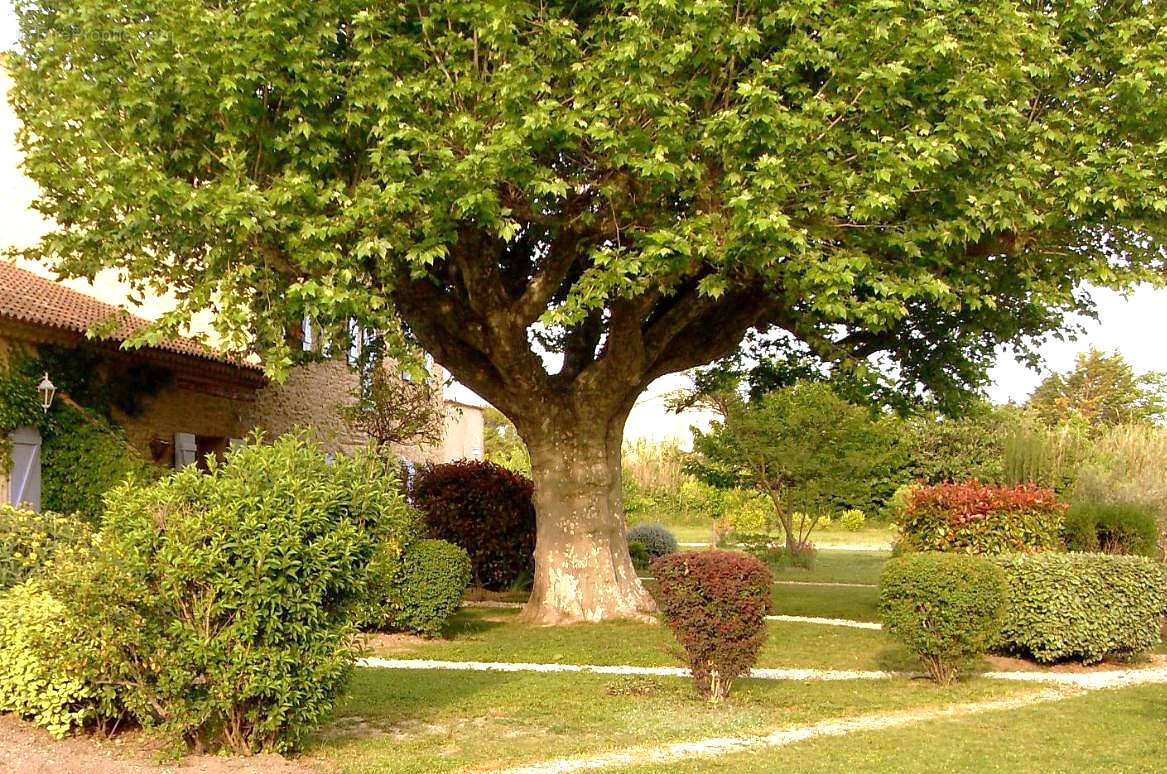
195, 402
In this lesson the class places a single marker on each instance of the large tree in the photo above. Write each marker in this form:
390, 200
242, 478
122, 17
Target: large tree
617, 189
1101, 390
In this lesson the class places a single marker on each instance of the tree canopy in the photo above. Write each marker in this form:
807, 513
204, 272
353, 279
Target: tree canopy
1101, 390
643, 179
620, 189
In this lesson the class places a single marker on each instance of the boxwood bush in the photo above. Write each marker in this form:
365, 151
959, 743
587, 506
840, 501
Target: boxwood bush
487, 510
977, 518
1112, 528
655, 538
947, 608
1083, 607
716, 603
427, 588
222, 603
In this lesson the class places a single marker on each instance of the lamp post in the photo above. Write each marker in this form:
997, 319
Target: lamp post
47, 390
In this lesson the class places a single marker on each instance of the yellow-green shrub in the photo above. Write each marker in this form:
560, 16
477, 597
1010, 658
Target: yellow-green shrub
28, 540
35, 683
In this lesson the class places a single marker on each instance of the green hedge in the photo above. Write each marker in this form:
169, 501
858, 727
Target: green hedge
1083, 607
1112, 529
947, 608
428, 588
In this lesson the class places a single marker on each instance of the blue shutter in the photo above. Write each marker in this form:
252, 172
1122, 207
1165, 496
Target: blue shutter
24, 480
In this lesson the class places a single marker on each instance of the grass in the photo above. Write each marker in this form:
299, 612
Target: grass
478, 634
838, 567
876, 536
421, 721
856, 604
1106, 731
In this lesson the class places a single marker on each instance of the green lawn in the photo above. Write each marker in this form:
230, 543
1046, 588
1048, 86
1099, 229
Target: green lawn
856, 604
1107, 731
422, 721
838, 567
478, 634
870, 536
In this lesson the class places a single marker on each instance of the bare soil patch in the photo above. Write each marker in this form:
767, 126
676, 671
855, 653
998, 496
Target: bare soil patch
25, 749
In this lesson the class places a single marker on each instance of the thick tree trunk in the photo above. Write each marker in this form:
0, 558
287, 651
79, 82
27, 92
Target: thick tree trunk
582, 568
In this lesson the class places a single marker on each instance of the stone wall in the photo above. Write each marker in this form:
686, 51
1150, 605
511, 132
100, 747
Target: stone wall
182, 408
312, 397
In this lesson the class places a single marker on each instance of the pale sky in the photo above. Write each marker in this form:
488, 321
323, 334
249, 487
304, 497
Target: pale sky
1134, 326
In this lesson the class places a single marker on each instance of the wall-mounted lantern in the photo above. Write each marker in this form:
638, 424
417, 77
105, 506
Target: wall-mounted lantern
47, 390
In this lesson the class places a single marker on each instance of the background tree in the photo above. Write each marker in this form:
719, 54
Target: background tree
1101, 391
804, 447
502, 444
397, 411
619, 188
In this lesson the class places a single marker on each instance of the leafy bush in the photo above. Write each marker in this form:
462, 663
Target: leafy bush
1084, 607
428, 587
639, 554
716, 603
980, 518
1112, 529
487, 510
749, 512
852, 520
656, 539
28, 540
35, 683
71, 435
947, 608
222, 603
896, 508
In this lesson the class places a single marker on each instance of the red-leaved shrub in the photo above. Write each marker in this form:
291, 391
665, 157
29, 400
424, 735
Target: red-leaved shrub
976, 518
487, 510
716, 603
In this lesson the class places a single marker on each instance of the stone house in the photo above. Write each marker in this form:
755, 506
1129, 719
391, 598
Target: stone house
202, 402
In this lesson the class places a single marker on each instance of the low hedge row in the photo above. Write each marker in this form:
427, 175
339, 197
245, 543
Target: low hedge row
1083, 607
1112, 528
975, 518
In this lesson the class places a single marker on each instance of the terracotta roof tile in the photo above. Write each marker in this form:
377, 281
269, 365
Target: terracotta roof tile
29, 298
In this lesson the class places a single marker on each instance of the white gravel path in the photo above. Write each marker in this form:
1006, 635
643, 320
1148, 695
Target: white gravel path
826, 621
1106, 678
505, 666
726, 745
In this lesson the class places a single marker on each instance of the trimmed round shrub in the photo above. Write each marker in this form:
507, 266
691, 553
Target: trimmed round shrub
1082, 607
35, 683
428, 588
487, 510
222, 603
975, 518
1112, 529
715, 602
28, 540
656, 539
946, 608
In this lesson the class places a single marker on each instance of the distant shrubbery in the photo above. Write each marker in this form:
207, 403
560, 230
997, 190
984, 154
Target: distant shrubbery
427, 587
947, 608
656, 539
487, 510
1084, 607
980, 518
716, 603
1112, 529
